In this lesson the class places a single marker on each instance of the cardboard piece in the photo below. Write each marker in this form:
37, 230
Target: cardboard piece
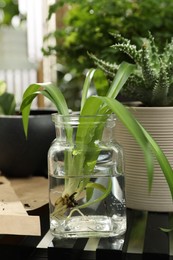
32, 191
13, 216
20, 225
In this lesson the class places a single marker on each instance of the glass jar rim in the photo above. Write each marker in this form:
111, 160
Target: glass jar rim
76, 115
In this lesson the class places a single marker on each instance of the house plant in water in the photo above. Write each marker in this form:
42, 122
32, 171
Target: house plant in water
151, 85
85, 164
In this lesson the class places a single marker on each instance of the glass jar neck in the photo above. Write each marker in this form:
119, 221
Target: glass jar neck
84, 126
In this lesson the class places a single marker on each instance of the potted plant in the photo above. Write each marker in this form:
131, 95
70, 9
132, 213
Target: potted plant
80, 21
151, 85
78, 158
18, 158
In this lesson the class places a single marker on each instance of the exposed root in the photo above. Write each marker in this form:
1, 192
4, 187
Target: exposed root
62, 204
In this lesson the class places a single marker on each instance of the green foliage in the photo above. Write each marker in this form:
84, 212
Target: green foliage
79, 161
152, 81
8, 10
7, 101
97, 105
88, 24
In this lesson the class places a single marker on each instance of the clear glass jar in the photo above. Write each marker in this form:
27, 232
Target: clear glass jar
86, 178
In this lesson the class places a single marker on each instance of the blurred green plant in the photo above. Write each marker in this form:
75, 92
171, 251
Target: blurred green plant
87, 27
8, 9
88, 24
7, 101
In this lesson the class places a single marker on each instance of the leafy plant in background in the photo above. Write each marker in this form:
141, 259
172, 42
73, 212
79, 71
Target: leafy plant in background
9, 14
152, 81
9, 9
87, 25
94, 105
7, 101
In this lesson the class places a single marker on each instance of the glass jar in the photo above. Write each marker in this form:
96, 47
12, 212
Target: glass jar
86, 178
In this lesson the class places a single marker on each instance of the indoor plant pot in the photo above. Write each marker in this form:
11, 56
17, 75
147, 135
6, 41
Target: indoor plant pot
151, 86
21, 157
159, 123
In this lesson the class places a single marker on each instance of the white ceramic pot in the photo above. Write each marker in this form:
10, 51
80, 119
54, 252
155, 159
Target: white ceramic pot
159, 122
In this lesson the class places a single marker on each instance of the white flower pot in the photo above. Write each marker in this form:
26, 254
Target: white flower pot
159, 122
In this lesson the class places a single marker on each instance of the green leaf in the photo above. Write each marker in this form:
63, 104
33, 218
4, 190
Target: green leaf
105, 190
30, 93
167, 230
90, 188
132, 125
123, 73
91, 128
7, 103
49, 91
3, 87
162, 160
86, 86
101, 83
96, 106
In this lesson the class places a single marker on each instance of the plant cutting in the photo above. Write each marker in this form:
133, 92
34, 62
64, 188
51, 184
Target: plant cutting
151, 86
78, 160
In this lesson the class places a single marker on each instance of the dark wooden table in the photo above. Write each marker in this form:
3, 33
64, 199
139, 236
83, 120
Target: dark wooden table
144, 239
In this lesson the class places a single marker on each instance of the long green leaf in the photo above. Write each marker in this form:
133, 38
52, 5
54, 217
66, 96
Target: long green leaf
146, 142
96, 106
93, 131
131, 124
25, 109
86, 86
49, 91
105, 191
123, 73
162, 160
